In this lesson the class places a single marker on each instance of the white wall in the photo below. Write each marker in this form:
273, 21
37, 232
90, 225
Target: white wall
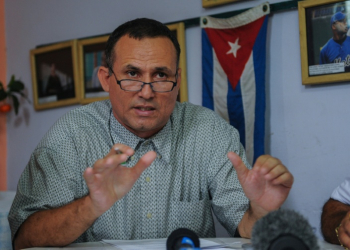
306, 126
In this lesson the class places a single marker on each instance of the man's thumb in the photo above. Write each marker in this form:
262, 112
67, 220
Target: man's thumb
238, 164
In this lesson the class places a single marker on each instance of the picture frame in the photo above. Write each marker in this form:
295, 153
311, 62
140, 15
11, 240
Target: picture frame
213, 3
90, 57
54, 75
319, 26
179, 31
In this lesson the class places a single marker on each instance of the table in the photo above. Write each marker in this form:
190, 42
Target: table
6, 199
102, 246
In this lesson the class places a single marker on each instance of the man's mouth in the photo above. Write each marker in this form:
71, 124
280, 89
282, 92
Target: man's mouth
145, 108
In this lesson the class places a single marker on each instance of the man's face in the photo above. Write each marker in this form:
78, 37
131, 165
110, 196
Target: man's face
341, 27
151, 59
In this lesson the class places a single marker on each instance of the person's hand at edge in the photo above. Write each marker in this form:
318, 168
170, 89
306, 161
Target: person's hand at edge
344, 231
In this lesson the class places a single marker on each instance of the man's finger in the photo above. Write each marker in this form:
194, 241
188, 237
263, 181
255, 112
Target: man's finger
108, 163
120, 149
286, 179
98, 166
238, 164
144, 162
89, 176
264, 163
273, 172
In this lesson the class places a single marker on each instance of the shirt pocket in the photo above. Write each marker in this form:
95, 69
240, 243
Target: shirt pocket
194, 215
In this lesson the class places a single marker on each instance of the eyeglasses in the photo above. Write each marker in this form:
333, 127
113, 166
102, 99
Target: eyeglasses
135, 85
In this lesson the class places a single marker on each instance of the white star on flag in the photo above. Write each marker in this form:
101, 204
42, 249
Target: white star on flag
234, 47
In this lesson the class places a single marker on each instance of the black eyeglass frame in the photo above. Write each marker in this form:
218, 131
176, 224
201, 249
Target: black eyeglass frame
150, 83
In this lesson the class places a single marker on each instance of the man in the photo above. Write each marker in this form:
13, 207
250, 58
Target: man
335, 219
337, 49
54, 86
157, 165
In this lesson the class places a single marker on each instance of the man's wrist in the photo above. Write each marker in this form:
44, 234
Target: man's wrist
256, 211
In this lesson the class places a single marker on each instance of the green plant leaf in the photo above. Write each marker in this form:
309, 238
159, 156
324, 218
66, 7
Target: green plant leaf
15, 103
12, 78
15, 86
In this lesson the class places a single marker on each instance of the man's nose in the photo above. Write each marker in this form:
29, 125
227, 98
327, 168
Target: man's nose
146, 92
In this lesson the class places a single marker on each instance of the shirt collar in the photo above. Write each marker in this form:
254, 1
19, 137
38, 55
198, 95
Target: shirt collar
161, 140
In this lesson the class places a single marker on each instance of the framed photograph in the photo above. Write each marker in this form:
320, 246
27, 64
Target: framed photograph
179, 31
90, 57
55, 75
324, 41
212, 3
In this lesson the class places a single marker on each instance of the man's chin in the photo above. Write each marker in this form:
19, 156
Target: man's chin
144, 130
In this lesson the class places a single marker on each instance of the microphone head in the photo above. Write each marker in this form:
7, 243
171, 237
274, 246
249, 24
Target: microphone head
174, 240
283, 229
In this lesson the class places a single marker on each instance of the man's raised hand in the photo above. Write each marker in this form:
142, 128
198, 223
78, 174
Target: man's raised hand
109, 181
266, 185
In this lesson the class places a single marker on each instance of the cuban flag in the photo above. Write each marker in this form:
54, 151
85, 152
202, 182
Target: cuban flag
233, 66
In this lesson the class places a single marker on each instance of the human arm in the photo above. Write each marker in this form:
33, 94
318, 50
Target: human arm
108, 181
321, 57
266, 185
334, 214
326, 52
56, 227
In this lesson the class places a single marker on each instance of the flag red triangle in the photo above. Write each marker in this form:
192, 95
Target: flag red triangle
242, 40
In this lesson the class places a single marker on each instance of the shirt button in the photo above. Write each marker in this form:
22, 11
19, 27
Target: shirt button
149, 215
132, 158
146, 143
148, 179
159, 156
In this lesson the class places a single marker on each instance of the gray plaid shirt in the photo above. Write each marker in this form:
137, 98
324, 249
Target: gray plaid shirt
190, 175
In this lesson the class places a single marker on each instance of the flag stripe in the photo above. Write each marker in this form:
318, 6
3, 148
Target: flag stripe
259, 54
248, 100
220, 86
207, 72
235, 110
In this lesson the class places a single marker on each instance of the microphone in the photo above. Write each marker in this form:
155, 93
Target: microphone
182, 238
283, 230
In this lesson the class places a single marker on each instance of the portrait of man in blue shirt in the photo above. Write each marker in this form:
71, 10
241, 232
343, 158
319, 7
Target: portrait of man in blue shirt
337, 49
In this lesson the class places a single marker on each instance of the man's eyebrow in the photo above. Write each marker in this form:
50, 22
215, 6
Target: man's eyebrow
129, 66
163, 69
159, 69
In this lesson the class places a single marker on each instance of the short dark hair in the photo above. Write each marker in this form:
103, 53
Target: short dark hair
138, 29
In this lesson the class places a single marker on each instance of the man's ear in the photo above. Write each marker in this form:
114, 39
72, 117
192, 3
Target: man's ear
178, 78
333, 26
103, 76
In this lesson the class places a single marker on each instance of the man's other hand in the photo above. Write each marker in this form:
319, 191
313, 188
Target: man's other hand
266, 185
